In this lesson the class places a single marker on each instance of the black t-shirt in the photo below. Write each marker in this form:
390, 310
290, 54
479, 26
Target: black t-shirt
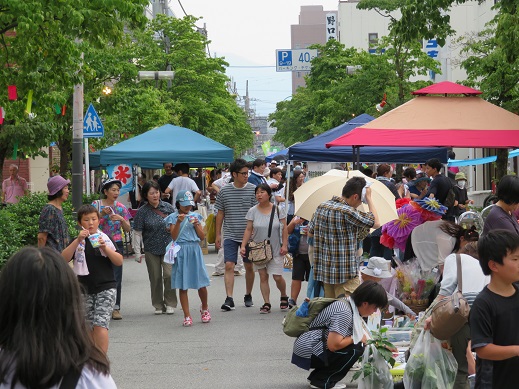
495, 319
101, 274
164, 182
440, 186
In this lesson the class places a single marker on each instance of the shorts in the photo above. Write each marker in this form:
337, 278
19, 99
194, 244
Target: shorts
346, 288
230, 251
301, 267
276, 266
99, 307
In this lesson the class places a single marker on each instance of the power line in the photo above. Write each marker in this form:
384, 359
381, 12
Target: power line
181, 6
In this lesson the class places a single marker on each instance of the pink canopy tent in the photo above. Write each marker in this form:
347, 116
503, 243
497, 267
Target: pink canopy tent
447, 121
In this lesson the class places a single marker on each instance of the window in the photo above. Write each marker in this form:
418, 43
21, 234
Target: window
373, 39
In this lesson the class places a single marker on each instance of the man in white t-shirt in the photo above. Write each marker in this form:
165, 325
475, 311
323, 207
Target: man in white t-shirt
182, 182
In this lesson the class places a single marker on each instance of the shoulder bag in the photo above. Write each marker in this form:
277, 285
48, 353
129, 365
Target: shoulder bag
260, 253
450, 314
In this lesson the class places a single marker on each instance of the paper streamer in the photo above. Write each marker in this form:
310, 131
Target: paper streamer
29, 102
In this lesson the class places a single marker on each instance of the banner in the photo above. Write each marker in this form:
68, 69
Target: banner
123, 173
266, 147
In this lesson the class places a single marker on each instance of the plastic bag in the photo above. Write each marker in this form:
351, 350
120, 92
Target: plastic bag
172, 250
430, 366
210, 227
380, 376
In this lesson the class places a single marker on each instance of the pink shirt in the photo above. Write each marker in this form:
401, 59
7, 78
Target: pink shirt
13, 189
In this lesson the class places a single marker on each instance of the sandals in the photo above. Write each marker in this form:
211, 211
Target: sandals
188, 322
265, 308
284, 305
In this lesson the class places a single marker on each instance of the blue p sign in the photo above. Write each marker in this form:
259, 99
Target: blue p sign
284, 58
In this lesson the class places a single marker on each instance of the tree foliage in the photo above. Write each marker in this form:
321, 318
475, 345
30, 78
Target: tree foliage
39, 51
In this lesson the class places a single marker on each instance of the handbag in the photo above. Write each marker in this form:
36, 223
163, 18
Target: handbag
260, 253
450, 314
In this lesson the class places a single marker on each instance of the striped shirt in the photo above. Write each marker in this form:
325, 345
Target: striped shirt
336, 317
337, 228
234, 203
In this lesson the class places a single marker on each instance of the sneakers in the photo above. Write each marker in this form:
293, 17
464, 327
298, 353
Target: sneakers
188, 322
217, 274
248, 301
338, 385
228, 305
116, 315
206, 316
158, 311
291, 303
237, 273
170, 310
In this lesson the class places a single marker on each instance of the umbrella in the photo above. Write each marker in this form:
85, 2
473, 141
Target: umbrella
323, 188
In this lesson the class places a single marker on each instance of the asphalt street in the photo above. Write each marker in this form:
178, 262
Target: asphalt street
237, 349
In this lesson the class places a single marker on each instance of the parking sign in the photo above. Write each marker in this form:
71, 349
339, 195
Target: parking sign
294, 60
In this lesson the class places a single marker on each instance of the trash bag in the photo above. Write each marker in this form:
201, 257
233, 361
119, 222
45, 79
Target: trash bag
210, 227
380, 376
430, 366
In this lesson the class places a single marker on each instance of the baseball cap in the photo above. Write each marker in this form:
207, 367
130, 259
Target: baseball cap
56, 183
185, 198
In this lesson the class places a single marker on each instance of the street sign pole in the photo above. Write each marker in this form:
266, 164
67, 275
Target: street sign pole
87, 167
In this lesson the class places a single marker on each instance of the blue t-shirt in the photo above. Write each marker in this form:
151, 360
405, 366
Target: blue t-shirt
187, 232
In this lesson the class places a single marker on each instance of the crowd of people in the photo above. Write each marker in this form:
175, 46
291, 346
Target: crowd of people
249, 203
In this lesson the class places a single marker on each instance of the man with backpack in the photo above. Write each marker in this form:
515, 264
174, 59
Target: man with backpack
336, 337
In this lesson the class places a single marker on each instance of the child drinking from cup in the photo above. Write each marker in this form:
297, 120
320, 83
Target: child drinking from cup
189, 268
94, 253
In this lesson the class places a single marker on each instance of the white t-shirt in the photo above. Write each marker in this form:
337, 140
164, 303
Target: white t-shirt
471, 274
178, 184
89, 379
431, 245
280, 193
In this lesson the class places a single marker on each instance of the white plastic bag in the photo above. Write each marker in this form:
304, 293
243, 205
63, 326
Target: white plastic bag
430, 366
380, 377
172, 250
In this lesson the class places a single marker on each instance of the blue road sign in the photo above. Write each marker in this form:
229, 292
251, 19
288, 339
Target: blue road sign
92, 125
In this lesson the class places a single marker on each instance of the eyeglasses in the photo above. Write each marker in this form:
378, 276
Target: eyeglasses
244, 174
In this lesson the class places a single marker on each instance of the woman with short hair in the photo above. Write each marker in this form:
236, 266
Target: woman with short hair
502, 216
149, 220
44, 337
335, 325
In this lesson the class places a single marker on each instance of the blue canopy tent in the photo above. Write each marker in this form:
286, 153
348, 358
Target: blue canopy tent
315, 150
168, 143
283, 154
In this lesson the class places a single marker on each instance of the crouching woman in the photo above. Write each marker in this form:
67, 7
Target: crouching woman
336, 340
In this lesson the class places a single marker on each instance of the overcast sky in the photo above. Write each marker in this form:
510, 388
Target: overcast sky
247, 33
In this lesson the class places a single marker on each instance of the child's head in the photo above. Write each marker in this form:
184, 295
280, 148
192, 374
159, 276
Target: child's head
88, 217
184, 201
499, 254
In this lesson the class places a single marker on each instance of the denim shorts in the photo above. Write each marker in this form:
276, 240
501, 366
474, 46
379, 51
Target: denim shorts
99, 307
230, 251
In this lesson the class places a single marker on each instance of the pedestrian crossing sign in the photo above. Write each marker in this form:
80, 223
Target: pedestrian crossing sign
92, 125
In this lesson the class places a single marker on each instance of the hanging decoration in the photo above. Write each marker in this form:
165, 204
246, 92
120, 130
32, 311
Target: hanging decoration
2, 115
11, 92
15, 150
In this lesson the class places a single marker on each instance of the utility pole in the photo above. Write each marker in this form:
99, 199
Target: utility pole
77, 146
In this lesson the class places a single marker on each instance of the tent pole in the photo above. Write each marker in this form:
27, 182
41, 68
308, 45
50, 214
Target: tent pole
358, 157
289, 168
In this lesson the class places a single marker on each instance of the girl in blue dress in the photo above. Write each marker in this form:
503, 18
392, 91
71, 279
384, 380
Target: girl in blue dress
189, 268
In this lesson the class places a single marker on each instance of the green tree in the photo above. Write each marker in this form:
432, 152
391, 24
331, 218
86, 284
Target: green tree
39, 52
